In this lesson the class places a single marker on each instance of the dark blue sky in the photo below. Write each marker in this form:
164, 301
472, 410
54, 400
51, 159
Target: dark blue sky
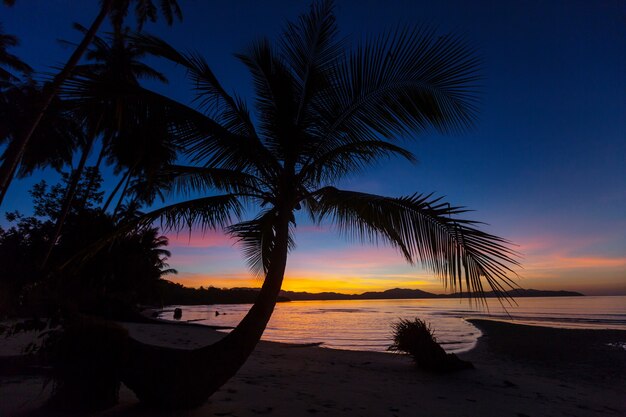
545, 166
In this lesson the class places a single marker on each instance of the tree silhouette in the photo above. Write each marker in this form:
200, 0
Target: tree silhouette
126, 138
322, 112
117, 9
10, 62
53, 144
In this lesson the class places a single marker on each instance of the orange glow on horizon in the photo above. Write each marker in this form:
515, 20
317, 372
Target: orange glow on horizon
548, 263
342, 285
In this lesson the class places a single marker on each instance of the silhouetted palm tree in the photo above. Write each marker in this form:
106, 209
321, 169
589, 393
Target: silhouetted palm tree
8, 61
323, 113
115, 60
117, 9
53, 144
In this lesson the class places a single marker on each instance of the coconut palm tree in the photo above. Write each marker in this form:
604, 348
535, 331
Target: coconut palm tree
322, 113
117, 10
53, 144
116, 60
8, 61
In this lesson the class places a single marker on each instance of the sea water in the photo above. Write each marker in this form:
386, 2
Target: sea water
366, 324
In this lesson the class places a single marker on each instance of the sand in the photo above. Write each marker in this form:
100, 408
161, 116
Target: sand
520, 371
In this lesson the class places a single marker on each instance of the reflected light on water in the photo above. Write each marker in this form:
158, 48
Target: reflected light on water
366, 324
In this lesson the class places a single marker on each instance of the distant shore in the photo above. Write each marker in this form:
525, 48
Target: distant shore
177, 294
520, 371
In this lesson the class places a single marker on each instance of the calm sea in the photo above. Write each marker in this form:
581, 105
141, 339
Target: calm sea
366, 324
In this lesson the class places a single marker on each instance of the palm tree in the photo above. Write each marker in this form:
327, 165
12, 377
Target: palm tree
322, 113
53, 144
116, 60
117, 9
9, 61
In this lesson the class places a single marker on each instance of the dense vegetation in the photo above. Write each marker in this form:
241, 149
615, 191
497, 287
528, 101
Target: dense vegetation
127, 272
323, 109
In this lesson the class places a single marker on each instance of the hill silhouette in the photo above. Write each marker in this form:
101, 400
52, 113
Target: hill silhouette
176, 294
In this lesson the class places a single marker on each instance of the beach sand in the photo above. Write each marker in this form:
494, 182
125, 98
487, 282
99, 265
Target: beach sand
520, 371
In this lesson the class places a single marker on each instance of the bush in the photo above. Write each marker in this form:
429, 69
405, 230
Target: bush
416, 338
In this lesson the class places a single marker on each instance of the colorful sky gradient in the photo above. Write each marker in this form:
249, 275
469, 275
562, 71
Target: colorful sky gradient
545, 166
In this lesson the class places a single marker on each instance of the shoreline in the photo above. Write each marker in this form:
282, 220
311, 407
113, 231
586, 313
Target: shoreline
534, 370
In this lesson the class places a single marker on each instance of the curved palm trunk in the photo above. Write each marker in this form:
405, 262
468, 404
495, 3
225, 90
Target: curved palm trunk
177, 378
7, 170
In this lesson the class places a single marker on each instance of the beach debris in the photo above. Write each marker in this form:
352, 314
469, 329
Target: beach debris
417, 339
178, 313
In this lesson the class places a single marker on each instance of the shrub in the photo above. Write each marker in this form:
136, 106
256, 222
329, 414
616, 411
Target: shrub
417, 339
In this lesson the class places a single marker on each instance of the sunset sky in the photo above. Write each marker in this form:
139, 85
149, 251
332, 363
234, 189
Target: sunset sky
545, 166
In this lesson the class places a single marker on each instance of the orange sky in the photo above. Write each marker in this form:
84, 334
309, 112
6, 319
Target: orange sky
548, 263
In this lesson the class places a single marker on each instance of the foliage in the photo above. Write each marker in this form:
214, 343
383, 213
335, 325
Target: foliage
53, 143
10, 62
323, 113
170, 293
417, 339
127, 270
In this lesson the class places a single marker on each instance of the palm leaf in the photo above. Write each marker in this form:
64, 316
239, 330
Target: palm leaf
400, 84
350, 158
425, 230
257, 239
310, 48
228, 111
206, 213
275, 98
186, 180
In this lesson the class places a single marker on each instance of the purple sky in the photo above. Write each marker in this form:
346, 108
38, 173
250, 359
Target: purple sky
545, 166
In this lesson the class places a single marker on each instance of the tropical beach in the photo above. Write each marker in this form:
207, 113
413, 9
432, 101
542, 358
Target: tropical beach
520, 371
341, 208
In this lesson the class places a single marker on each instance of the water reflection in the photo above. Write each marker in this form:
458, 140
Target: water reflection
365, 324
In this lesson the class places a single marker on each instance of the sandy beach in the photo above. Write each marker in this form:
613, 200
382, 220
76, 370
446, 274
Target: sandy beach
520, 371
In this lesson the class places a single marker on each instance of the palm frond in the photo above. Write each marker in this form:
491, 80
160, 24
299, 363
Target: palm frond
228, 111
350, 158
276, 102
425, 230
206, 141
206, 213
186, 180
257, 239
400, 84
310, 47
9, 60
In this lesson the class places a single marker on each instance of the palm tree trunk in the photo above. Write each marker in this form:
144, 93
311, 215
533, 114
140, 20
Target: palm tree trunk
119, 202
67, 201
92, 181
5, 166
176, 378
115, 190
6, 172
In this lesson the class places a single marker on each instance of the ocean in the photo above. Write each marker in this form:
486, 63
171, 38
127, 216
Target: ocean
366, 324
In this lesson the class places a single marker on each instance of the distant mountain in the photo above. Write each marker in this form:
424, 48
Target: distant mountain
171, 293
396, 293
404, 293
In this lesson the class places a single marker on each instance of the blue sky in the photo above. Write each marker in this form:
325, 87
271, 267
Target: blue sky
545, 165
